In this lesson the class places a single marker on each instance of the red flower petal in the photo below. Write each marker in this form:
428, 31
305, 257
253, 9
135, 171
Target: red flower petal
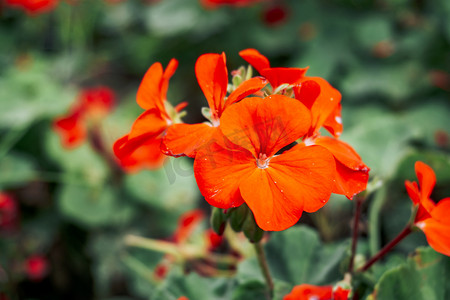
341, 294
279, 76
437, 234
325, 107
153, 89
97, 102
245, 89
255, 59
149, 123
334, 122
343, 152
296, 180
186, 225
186, 139
349, 182
264, 126
71, 129
212, 76
427, 179
308, 292
219, 171
142, 152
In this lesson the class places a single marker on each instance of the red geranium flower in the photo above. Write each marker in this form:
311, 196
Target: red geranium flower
34, 7
36, 267
248, 166
92, 106
141, 147
431, 218
276, 76
216, 3
187, 224
212, 76
312, 292
8, 212
324, 102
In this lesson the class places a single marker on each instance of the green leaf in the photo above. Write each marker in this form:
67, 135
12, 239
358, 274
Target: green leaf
424, 276
371, 30
172, 188
251, 290
30, 94
81, 162
297, 256
93, 206
193, 286
15, 170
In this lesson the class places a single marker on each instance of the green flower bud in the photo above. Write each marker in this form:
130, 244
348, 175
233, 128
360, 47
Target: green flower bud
238, 217
251, 229
218, 220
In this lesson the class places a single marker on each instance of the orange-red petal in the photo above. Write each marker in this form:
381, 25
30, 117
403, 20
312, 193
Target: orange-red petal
334, 122
437, 228
97, 102
296, 180
264, 126
212, 76
308, 292
427, 179
343, 152
71, 129
324, 108
279, 76
219, 171
142, 152
255, 59
245, 89
153, 88
186, 139
186, 225
148, 123
349, 182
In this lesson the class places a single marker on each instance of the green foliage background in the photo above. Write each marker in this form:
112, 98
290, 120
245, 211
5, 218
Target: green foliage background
389, 59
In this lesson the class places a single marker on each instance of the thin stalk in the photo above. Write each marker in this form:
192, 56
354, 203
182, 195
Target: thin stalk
97, 143
264, 266
404, 233
358, 205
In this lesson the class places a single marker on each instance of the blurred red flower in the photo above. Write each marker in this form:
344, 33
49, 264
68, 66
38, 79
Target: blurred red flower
33, 7
91, 106
216, 3
8, 212
246, 156
36, 267
187, 224
431, 218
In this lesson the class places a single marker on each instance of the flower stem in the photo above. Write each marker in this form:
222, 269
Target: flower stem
98, 144
264, 266
359, 200
404, 233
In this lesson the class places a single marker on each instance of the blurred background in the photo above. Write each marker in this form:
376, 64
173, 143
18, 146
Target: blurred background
63, 215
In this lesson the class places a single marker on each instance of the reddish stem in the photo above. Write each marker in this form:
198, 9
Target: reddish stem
358, 205
404, 233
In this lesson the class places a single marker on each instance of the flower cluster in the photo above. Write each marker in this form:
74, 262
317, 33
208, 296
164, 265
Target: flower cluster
90, 108
262, 143
431, 218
